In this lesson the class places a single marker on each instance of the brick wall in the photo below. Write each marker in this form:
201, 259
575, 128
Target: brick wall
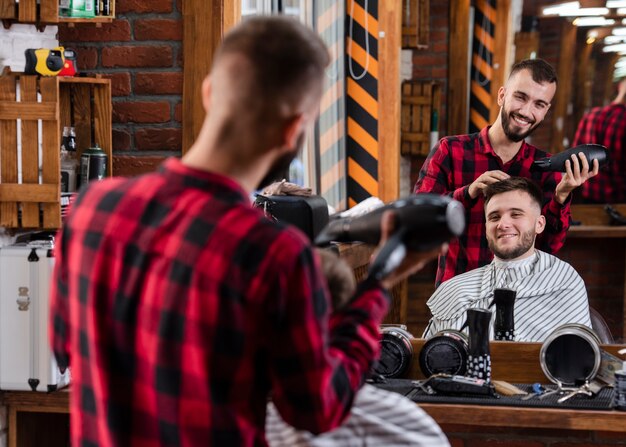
141, 52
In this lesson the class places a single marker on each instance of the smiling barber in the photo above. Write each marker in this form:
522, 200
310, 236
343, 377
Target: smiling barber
549, 292
464, 165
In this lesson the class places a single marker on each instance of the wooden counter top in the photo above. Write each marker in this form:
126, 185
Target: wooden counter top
518, 362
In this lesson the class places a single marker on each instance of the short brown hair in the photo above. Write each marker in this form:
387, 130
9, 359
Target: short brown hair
540, 70
286, 63
514, 184
339, 276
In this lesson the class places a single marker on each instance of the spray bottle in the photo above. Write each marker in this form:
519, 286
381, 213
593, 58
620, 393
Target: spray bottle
620, 385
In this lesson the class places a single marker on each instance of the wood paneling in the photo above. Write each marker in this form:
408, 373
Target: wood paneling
563, 94
390, 37
204, 24
458, 72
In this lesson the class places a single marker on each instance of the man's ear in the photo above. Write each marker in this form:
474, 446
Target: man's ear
540, 224
206, 93
501, 92
292, 130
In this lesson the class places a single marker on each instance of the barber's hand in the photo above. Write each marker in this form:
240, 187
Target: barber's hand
576, 173
486, 179
413, 261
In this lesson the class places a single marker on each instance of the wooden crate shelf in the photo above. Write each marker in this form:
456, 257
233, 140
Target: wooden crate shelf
420, 99
33, 201
415, 23
45, 12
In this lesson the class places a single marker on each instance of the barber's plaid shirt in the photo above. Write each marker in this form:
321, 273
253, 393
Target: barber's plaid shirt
453, 164
606, 126
179, 307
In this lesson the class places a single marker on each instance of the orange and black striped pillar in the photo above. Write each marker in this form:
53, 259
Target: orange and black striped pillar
482, 64
362, 99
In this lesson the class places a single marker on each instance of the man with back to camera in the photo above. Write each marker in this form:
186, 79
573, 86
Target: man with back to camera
179, 307
607, 126
549, 292
464, 165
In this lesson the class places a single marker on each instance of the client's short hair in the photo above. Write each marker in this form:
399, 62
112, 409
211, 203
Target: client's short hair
339, 276
514, 184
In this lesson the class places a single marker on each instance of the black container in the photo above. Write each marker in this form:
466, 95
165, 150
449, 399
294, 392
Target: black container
93, 165
479, 359
504, 325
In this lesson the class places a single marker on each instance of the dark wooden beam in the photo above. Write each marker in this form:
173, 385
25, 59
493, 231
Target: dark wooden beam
458, 70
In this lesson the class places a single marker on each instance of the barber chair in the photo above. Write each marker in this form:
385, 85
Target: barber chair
600, 327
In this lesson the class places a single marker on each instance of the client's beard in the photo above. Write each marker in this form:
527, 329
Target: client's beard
280, 168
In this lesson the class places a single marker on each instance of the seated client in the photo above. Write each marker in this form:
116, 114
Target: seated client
549, 291
378, 417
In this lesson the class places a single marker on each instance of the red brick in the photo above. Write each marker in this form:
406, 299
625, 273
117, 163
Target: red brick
140, 6
180, 58
151, 139
179, 6
141, 112
86, 58
158, 29
120, 83
118, 30
137, 56
178, 112
121, 140
151, 83
128, 166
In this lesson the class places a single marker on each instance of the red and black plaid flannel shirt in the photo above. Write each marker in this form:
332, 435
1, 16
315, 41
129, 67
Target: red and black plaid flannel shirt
606, 126
179, 307
457, 161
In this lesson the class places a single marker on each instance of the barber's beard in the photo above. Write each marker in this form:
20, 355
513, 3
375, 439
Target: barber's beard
507, 126
280, 169
526, 243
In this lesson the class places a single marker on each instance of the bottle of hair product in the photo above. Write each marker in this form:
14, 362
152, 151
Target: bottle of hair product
620, 385
82, 8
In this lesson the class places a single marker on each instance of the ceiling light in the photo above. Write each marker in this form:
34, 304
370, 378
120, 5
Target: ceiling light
614, 48
609, 40
621, 63
619, 31
616, 4
585, 12
592, 21
621, 11
559, 9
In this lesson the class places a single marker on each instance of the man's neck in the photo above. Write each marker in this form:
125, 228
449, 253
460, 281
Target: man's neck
501, 144
521, 260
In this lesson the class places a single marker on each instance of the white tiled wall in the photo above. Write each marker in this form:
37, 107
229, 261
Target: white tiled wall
19, 37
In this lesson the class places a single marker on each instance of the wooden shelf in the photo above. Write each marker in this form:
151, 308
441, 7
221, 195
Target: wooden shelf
45, 12
83, 103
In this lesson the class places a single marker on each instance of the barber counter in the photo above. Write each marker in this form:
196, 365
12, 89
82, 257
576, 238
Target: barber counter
481, 423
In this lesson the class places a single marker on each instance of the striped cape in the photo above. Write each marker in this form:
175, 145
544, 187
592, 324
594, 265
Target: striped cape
379, 418
549, 293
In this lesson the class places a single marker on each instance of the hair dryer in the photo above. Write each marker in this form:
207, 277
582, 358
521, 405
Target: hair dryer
556, 163
422, 222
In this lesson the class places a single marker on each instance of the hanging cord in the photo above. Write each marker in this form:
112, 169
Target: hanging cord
367, 42
486, 30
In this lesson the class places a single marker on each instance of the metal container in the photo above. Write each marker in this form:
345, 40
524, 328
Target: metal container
445, 352
571, 355
93, 165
